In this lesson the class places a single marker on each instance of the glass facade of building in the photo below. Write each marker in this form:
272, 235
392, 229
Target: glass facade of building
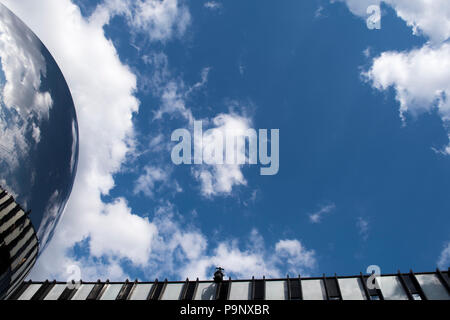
400, 286
18, 245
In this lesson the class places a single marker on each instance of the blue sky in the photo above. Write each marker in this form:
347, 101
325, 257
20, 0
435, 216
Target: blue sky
363, 118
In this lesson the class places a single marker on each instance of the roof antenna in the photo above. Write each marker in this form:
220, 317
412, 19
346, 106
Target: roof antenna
218, 275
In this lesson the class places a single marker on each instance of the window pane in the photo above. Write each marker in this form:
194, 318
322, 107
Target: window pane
392, 288
83, 292
276, 290
206, 291
141, 291
29, 292
432, 287
240, 291
313, 290
111, 292
55, 292
172, 291
351, 289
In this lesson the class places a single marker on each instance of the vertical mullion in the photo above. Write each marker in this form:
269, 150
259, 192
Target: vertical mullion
131, 290
289, 287
153, 290
338, 287
405, 287
124, 291
300, 287
196, 288
253, 288
264, 287
364, 284
185, 289
417, 284
229, 288
163, 289
443, 280
325, 286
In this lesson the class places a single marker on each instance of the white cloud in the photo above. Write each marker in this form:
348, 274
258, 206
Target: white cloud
444, 258
295, 254
420, 77
317, 216
363, 227
119, 233
219, 179
428, 17
288, 255
153, 176
319, 12
358, 7
213, 5
160, 20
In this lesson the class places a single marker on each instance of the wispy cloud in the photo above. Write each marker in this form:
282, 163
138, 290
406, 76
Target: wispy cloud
213, 5
363, 227
444, 258
421, 76
316, 217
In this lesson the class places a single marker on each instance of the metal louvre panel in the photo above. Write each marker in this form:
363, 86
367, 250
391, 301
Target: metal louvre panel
29, 247
16, 232
240, 290
4, 212
111, 291
26, 237
205, 291
190, 290
11, 221
351, 289
25, 266
10, 213
276, 290
172, 291
29, 292
392, 288
83, 292
5, 201
20, 274
432, 287
141, 291
55, 292
314, 290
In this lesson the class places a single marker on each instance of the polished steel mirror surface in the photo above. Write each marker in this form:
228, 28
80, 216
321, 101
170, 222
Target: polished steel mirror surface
38, 127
